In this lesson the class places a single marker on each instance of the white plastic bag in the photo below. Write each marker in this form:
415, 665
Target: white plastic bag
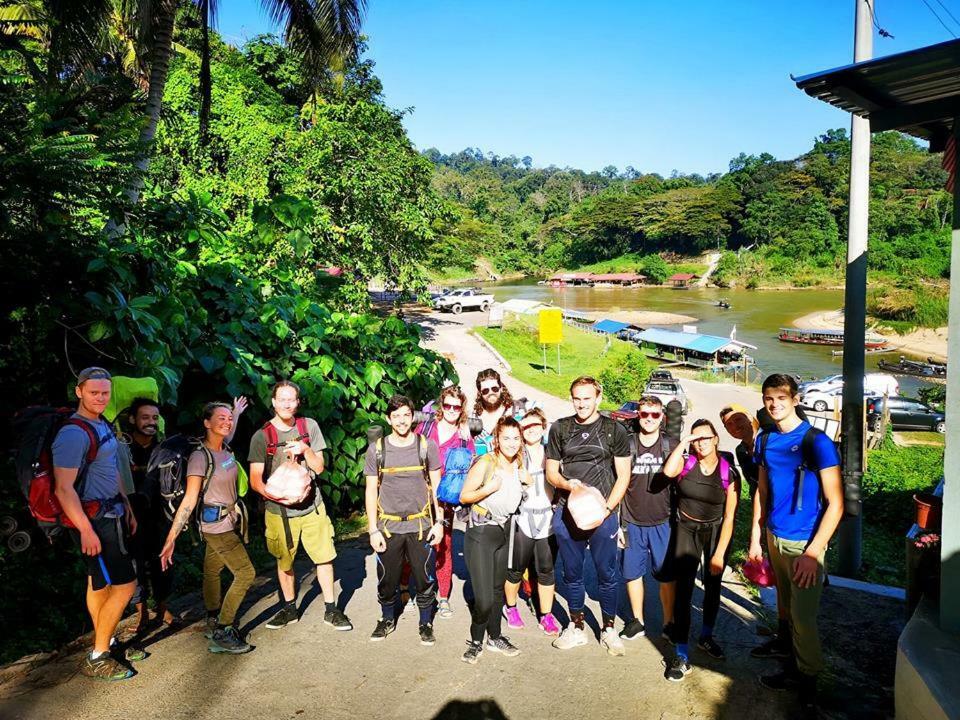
587, 506
289, 484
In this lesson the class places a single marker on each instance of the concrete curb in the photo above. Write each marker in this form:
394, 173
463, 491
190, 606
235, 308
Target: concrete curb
493, 351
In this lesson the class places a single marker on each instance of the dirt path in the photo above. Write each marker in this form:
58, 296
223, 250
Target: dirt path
714, 258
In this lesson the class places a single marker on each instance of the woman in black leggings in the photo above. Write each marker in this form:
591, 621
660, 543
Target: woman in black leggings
494, 489
707, 491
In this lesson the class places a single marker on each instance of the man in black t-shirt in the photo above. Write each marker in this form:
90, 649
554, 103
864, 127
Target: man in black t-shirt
588, 449
647, 511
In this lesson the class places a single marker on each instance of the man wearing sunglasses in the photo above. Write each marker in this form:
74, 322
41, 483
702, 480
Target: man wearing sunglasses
647, 517
492, 403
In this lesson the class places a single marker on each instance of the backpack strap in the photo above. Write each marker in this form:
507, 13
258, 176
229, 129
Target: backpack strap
689, 464
764, 438
808, 461
427, 510
724, 472
93, 449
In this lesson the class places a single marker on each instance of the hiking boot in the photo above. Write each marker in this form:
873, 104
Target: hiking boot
549, 625
633, 630
444, 611
502, 645
227, 640
426, 634
384, 627
772, 649
667, 633
571, 637
677, 668
209, 626
514, 621
104, 667
473, 652
286, 616
130, 653
711, 647
612, 642
336, 618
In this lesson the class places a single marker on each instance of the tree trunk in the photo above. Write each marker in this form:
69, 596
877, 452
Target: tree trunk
205, 87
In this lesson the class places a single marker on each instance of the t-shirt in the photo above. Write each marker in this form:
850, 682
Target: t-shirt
258, 454
703, 497
140, 456
70, 447
534, 517
649, 498
783, 459
586, 452
222, 489
451, 442
405, 492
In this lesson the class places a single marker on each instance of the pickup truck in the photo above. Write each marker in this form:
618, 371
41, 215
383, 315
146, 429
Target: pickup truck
668, 390
456, 301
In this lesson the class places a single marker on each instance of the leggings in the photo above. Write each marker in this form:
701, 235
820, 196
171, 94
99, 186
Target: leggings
572, 543
696, 543
524, 550
405, 547
485, 548
226, 550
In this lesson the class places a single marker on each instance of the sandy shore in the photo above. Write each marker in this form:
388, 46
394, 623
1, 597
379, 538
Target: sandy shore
643, 318
923, 342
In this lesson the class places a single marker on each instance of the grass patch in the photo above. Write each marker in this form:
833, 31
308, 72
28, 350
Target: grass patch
706, 376
687, 267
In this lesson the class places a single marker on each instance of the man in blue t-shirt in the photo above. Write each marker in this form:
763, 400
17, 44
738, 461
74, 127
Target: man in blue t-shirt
800, 514
93, 500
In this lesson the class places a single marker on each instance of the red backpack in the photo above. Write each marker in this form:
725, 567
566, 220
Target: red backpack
35, 429
273, 441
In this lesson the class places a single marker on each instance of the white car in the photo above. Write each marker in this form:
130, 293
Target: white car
876, 383
822, 400
456, 301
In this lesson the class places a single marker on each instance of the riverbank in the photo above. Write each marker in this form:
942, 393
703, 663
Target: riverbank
642, 318
922, 342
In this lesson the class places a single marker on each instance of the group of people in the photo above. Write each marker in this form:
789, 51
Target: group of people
669, 512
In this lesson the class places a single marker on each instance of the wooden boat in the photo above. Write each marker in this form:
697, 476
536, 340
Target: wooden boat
825, 337
723, 304
916, 368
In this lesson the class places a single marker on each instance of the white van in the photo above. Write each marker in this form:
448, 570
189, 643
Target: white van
875, 383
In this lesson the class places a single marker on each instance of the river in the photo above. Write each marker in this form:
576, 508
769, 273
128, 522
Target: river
756, 314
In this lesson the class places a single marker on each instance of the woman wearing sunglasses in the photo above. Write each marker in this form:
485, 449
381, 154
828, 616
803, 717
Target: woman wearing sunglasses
707, 492
532, 536
448, 429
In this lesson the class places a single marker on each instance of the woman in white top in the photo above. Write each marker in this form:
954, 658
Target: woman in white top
532, 537
494, 489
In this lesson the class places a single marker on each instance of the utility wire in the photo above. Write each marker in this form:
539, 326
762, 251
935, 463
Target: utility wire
873, 16
945, 26
947, 9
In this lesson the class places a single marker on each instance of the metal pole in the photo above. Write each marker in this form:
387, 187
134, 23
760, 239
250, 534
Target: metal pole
855, 315
950, 532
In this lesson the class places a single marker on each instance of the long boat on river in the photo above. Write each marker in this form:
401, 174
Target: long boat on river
826, 337
929, 370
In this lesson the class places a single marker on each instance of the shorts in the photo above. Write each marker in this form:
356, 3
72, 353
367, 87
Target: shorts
114, 564
314, 531
649, 549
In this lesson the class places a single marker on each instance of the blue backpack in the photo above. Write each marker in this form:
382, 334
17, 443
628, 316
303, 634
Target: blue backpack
455, 468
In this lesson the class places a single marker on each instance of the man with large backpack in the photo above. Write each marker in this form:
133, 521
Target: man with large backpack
404, 517
306, 523
90, 493
799, 502
647, 515
592, 450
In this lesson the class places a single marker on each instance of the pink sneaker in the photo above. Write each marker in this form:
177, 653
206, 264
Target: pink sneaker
514, 621
549, 624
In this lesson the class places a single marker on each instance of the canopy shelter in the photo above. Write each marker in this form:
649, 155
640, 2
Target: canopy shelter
918, 93
611, 327
690, 342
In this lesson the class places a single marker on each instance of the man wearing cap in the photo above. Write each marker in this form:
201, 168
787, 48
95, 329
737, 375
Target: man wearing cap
100, 514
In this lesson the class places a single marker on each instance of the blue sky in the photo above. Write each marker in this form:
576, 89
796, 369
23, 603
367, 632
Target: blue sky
656, 85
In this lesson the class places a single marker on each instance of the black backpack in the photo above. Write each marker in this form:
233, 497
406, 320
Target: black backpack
167, 470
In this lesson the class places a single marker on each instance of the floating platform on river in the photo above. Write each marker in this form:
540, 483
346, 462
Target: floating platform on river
811, 336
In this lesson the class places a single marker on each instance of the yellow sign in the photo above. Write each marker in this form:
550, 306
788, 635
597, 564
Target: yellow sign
551, 326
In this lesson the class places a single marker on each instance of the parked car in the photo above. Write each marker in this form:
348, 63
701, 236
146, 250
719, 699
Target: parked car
457, 301
661, 375
626, 412
821, 400
668, 390
906, 414
878, 383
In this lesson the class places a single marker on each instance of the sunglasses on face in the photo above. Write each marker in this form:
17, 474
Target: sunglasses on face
531, 427
488, 390
703, 437
648, 414
448, 406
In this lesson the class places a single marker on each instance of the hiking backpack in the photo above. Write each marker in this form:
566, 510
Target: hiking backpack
167, 470
427, 511
35, 429
456, 465
691, 462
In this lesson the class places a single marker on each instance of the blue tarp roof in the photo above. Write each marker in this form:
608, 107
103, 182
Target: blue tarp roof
708, 344
610, 326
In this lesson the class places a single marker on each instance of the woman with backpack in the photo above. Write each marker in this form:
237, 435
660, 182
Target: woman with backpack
211, 489
448, 429
707, 492
494, 489
532, 536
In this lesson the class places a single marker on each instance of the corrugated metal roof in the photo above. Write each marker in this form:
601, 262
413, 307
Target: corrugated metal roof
916, 92
708, 344
625, 277
610, 326
682, 276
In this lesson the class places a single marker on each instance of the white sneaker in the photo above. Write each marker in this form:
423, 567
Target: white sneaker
612, 642
571, 637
